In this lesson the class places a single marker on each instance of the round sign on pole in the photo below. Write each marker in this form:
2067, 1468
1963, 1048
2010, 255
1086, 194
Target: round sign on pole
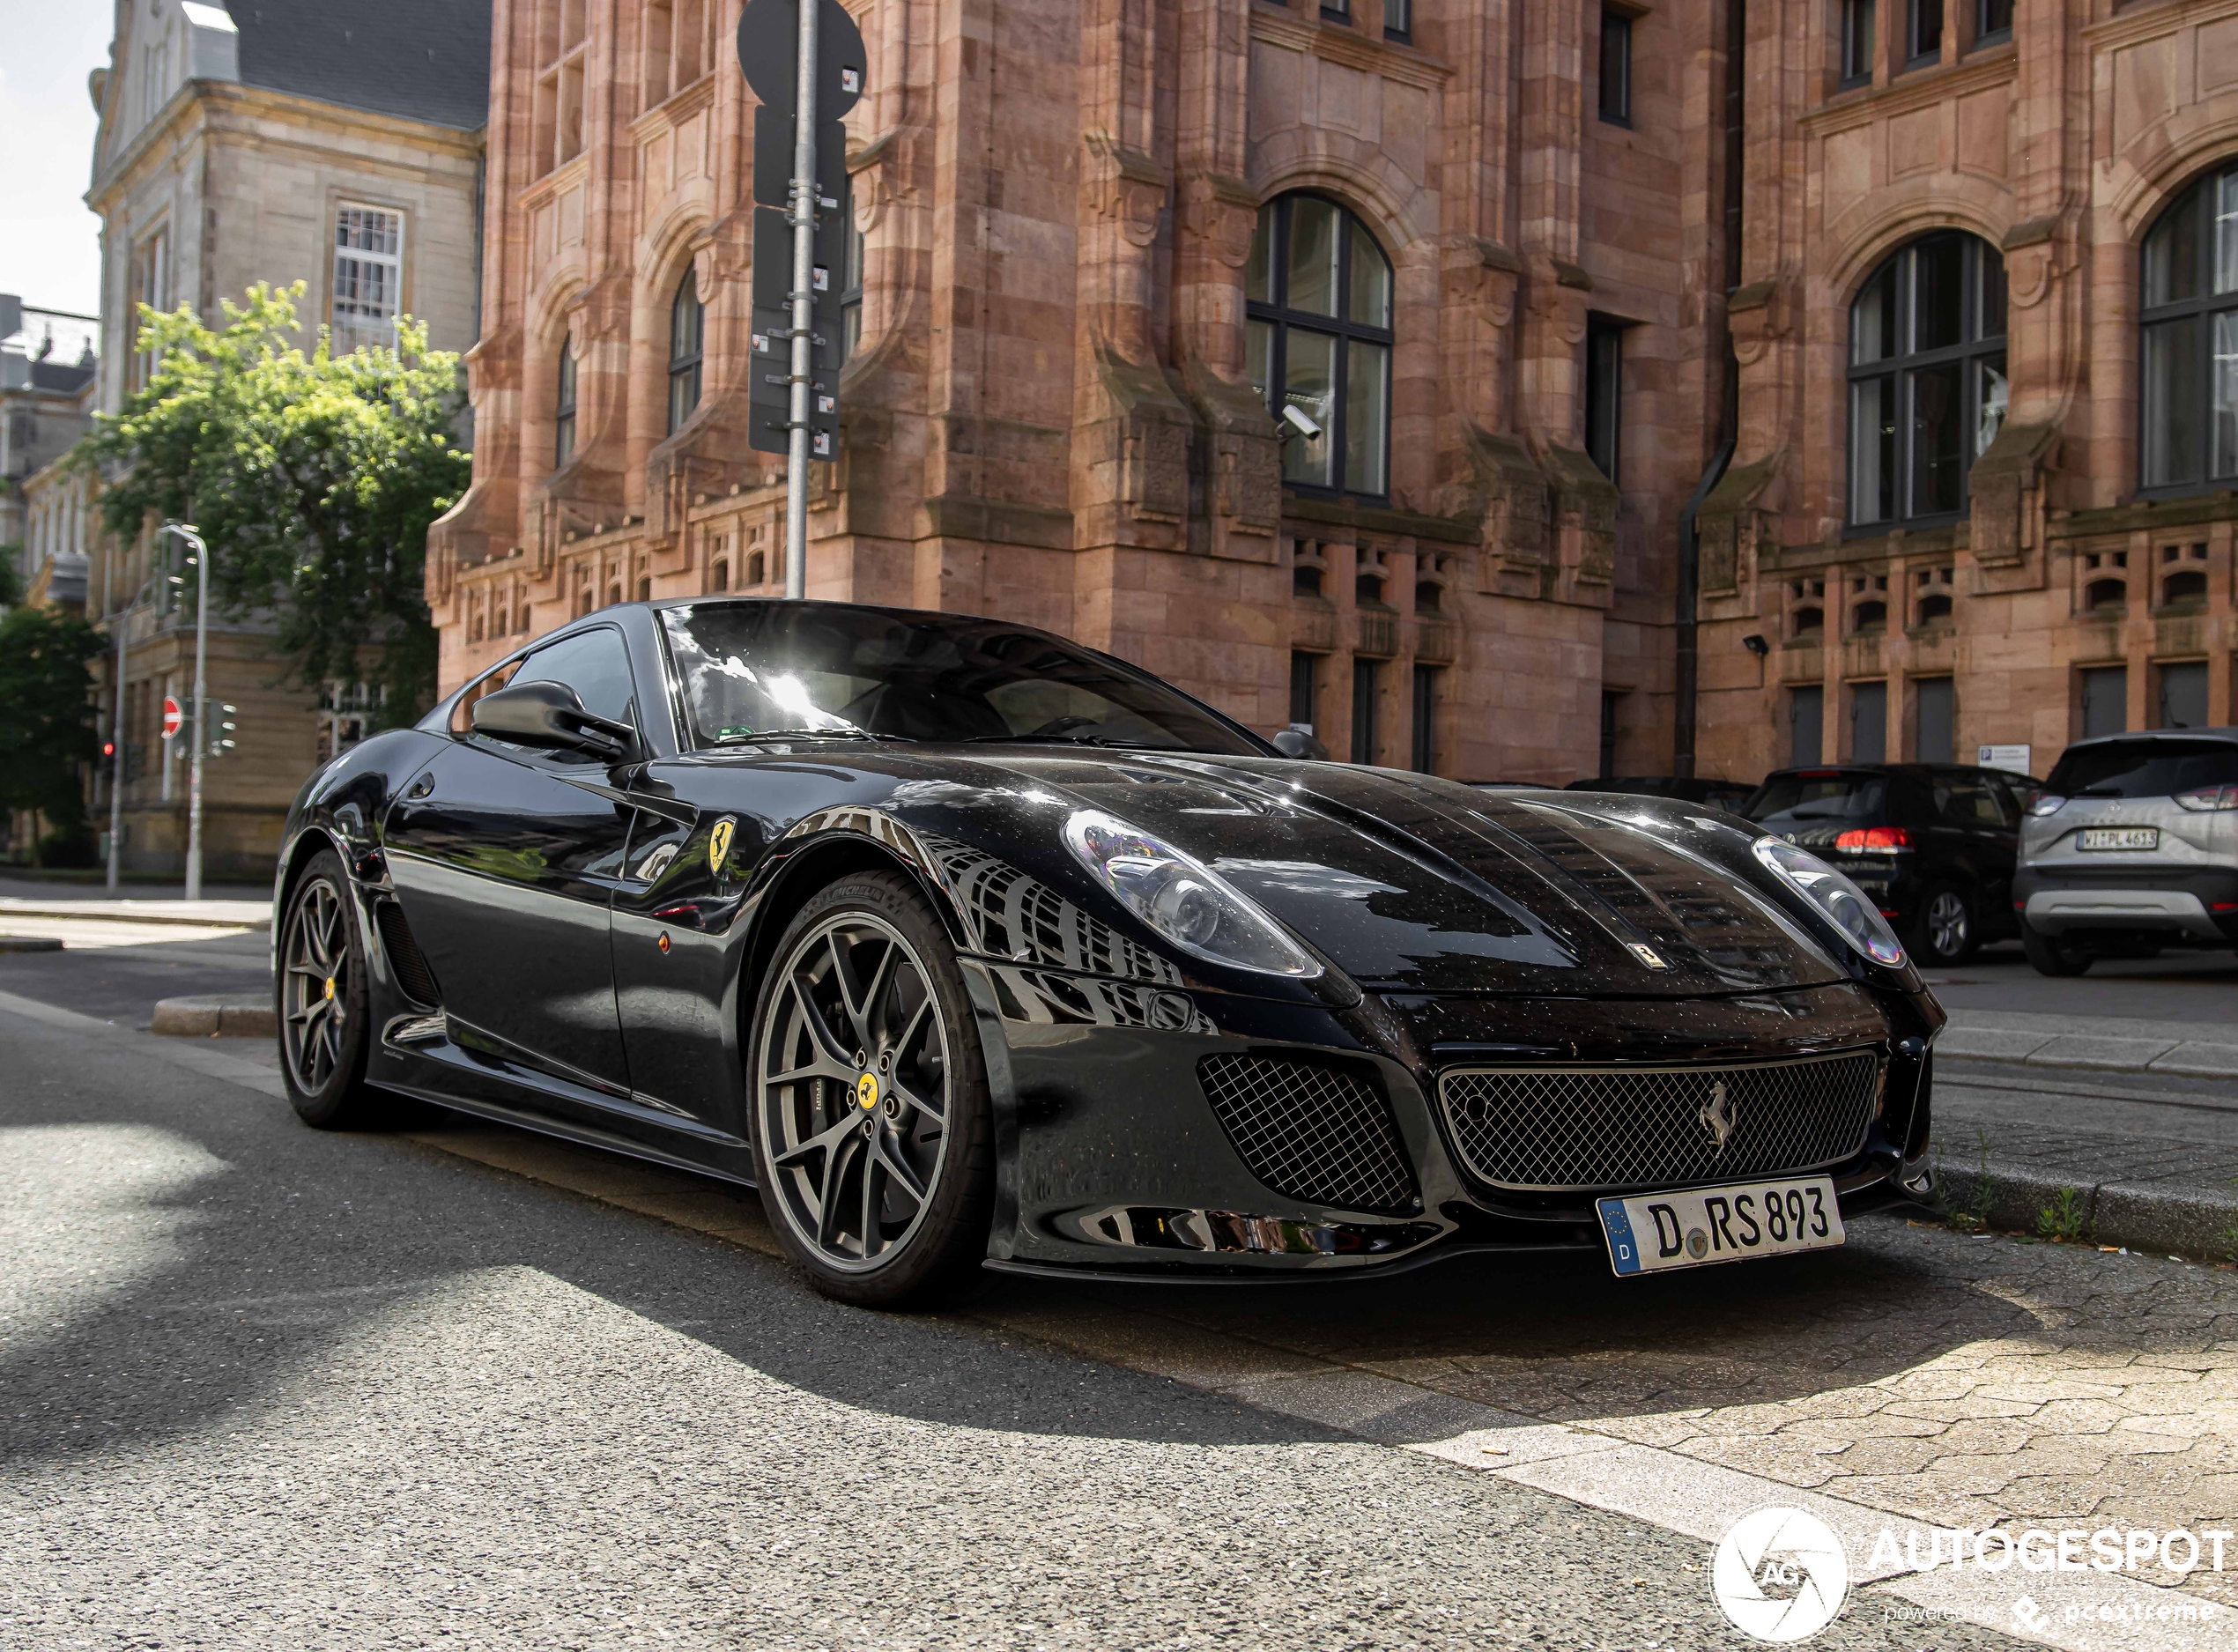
768, 47
171, 716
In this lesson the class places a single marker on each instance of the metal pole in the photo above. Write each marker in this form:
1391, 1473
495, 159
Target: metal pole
201, 706
116, 767
803, 305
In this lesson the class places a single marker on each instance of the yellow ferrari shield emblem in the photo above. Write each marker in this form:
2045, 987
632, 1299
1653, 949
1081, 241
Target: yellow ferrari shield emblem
866, 1090
719, 843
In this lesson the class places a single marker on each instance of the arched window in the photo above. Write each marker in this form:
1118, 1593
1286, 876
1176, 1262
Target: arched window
1869, 617
1305, 579
1934, 609
1927, 383
1427, 597
756, 563
2187, 585
2187, 409
1810, 622
1367, 590
1317, 294
687, 321
563, 406
2101, 595
719, 575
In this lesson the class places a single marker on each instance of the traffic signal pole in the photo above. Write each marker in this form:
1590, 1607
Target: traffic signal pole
116, 761
804, 300
201, 703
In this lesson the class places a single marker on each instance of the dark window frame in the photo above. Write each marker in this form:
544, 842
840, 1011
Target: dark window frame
687, 328
1336, 10
1402, 31
1305, 687
1860, 42
1922, 20
1368, 689
563, 406
852, 259
1604, 395
2203, 309
1424, 735
1284, 321
1992, 21
1614, 102
1902, 366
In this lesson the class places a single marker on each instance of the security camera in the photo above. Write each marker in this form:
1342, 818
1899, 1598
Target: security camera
1756, 645
1297, 422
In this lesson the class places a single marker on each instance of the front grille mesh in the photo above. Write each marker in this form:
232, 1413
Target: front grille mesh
1317, 1133
1557, 1128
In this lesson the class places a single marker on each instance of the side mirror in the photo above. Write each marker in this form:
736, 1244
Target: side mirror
549, 716
1298, 743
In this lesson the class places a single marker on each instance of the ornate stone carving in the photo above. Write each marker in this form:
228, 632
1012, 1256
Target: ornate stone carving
1732, 523
1128, 186
1223, 214
2006, 483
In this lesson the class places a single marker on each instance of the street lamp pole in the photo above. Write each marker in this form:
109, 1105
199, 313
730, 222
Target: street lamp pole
185, 531
116, 761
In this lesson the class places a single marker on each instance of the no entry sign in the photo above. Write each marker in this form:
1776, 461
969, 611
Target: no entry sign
171, 716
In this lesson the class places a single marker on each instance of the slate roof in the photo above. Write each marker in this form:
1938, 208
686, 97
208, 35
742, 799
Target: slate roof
424, 60
69, 377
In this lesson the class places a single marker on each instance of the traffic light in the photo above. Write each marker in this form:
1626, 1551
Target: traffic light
106, 767
221, 726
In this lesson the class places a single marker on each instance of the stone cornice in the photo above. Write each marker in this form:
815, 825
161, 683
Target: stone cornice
679, 109
568, 172
214, 105
2142, 22
1992, 66
1340, 43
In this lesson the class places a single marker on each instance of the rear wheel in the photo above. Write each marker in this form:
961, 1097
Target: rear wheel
321, 1008
1945, 931
2054, 954
872, 1133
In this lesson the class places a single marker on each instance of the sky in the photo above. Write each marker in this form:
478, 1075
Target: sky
50, 252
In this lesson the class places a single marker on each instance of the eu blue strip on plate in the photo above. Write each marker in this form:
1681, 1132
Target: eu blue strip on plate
1617, 1226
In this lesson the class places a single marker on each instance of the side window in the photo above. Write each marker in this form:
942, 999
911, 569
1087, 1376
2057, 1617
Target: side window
1969, 801
463, 713
593, 664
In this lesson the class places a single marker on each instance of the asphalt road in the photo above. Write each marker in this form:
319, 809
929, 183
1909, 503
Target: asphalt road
263, 1387
2178, 986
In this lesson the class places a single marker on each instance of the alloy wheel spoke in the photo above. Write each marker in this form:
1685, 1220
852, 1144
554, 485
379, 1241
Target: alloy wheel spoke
820, 1029
851, 998
827, 1205
826, 1141
871, 1166
917, 1023
886, 1150
882, 983
932, 1103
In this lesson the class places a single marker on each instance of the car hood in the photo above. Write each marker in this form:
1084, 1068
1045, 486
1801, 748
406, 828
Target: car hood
1412, 883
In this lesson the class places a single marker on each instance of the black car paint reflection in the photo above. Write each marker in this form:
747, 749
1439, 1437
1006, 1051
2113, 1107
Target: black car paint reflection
596, 961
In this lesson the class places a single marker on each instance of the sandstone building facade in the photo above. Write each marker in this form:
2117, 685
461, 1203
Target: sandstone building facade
281, 141
1856, 304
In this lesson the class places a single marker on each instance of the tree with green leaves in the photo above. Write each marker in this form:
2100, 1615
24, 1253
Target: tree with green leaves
47, 727
313, 478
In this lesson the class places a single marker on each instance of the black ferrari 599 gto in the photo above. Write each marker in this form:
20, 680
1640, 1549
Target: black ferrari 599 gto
974, 948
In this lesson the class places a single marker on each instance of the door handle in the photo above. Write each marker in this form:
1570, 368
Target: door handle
423, 787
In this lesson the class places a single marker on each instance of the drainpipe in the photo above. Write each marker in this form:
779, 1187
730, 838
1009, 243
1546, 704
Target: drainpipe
1682, 761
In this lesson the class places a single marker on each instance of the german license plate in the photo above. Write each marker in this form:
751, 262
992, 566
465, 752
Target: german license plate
2119, 838
1655, 1231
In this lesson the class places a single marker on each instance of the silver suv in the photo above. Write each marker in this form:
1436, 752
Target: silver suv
2132, 847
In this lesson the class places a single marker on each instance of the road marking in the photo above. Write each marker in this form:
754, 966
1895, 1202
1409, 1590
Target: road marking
1658, 1487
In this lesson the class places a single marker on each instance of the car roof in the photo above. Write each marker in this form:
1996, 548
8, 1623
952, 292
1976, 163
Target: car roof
2228, 735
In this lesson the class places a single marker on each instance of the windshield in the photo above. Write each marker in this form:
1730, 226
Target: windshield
2144, 768
1818, 798
752, 669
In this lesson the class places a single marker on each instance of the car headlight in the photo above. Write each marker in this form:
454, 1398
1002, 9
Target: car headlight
1181, 899
1844, 904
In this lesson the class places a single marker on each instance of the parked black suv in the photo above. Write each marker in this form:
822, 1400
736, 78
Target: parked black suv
1728, 794
1933, 843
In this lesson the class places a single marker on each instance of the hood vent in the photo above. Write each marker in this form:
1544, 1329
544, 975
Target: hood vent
407, 963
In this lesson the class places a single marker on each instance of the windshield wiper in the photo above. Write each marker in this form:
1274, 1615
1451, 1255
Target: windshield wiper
1069, 739
759, 735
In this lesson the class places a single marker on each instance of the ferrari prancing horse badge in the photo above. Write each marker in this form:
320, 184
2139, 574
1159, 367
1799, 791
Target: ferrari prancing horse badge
719, 843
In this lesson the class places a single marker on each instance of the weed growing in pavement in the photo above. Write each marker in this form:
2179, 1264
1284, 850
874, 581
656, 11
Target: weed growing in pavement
2066, 1218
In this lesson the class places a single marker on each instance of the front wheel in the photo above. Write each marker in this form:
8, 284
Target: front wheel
872, 1129
322, 1007
2053, 954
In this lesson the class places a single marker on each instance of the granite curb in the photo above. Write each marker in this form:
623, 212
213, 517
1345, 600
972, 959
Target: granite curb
2187, 1219
215, 1015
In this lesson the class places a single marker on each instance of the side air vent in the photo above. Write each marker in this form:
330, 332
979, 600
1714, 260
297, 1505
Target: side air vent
406, 962
1313, 1133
